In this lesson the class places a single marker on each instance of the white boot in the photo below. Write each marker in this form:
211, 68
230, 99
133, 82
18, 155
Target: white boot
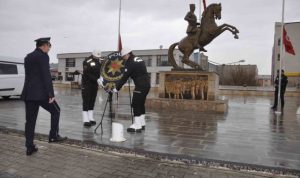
85, 119
136, 126
91, 117
143, 122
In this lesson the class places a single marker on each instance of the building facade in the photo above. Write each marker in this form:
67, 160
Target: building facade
238, 75
264, 80
290, 62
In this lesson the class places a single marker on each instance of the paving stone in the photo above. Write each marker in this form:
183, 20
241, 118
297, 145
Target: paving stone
249, 133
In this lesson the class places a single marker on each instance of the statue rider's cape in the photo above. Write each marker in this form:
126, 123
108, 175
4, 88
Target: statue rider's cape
112, 70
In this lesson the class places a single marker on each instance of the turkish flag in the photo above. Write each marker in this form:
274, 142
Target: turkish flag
287, 43
119, 43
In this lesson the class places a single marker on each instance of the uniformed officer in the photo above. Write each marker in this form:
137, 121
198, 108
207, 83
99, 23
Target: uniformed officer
284, 82
91, 73
135, 68
38, 91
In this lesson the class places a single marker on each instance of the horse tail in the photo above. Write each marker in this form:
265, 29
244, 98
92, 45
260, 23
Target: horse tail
171, 59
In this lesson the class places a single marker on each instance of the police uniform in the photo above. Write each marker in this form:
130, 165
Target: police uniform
135, 68
91, 73
284, 82
36, 92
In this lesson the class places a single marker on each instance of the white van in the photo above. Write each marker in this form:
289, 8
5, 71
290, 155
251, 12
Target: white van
12, 77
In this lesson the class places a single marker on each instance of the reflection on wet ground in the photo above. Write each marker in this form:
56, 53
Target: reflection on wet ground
249, 133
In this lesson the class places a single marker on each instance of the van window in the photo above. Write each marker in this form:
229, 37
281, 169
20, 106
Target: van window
6, 69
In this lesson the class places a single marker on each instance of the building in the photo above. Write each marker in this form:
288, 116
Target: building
68, 63
264, 80
290, 62
238, 75
54, 71
156, 60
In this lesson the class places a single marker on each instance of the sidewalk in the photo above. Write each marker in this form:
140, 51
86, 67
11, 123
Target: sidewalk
58, 160
249, 137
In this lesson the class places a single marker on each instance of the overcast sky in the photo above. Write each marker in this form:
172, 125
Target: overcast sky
85, 25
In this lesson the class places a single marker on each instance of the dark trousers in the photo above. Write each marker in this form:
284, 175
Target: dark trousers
276, 98
89, 94
138, 101
32, 109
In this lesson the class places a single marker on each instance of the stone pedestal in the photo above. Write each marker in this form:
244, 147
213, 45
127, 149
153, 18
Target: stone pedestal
188, 90
218, 106
194, 85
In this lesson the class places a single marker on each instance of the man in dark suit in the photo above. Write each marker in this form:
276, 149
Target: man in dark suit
284, 82
38, 91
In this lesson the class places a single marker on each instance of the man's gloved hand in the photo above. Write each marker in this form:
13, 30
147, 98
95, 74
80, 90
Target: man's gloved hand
114, 90
100, 81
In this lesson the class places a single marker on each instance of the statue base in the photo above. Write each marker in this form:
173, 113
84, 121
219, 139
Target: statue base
183, 69
201, 106
192, 90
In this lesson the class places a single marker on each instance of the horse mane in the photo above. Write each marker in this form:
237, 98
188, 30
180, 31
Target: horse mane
208, 8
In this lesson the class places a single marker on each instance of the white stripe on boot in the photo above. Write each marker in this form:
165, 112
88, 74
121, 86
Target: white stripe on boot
91, 115
143, 121
136, 126
85, 116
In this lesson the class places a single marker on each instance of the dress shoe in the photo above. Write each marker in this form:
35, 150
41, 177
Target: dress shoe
134, 130
57, 139
143, 127
31, 150
87, 124
93, 123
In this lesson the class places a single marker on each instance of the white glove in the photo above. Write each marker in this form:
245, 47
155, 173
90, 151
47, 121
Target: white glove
115, 90
100, 81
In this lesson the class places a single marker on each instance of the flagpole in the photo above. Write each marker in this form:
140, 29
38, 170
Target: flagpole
199, 57
119, 26
281, 57
199, 10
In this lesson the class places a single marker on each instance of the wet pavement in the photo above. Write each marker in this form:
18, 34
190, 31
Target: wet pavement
249, 133
61, 161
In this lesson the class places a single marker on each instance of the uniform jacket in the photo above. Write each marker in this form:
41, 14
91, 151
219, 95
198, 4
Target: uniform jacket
284, 82
38, 82
135, 68
91, 71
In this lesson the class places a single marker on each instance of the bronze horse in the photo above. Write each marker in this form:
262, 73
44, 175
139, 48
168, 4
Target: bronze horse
209, 30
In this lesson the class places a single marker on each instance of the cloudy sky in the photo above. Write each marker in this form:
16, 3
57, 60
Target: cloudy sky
85, 25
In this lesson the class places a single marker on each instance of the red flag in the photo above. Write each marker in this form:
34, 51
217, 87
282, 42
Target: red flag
287, 43
204, 4
119, 43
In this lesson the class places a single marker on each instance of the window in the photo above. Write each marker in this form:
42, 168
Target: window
7, 69
70, 62
147, 60
69, 76
278, 57
157, 78
162, 61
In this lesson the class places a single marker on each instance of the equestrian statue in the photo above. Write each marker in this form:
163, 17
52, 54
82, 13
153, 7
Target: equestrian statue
199, 35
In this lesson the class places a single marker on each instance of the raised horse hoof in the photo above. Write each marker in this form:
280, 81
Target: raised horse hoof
236, 36
202, 49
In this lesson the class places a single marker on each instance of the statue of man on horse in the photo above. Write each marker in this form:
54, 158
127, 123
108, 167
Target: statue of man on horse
199, 35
